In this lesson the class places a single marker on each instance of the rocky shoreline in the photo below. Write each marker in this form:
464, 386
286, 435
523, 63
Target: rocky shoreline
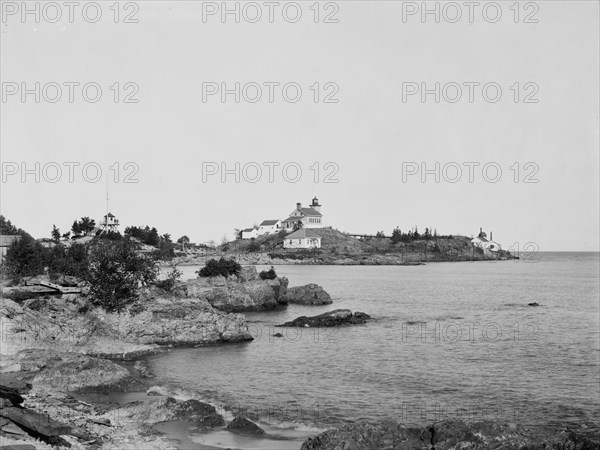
59, 347
339, 260
58, 351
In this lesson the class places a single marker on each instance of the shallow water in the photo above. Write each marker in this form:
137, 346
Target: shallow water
448, 340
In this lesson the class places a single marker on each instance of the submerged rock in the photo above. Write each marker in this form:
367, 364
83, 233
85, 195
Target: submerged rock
244, 426
330, 319
310, 294
533, 304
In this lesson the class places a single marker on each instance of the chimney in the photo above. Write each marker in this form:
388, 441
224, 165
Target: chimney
298, 205
480, 230
491, 238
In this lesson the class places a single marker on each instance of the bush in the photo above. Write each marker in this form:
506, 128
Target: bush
223, 267
71, 261
116, 271
24, 258
172, 278
253, 247
268, 274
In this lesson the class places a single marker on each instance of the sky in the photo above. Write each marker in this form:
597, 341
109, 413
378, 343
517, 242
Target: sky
368, 144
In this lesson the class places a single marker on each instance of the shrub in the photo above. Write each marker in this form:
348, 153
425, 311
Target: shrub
268, 274
71, 261
223, 267
253, 247
24, 258
169, 282
116, 270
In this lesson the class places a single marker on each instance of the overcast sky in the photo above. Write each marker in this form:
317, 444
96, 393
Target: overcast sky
371, 137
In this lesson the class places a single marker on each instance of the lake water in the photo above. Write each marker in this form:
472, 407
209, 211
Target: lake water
448, 340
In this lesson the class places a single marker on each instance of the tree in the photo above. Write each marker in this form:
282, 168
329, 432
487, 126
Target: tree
224, 267
415, 233
8, 229
380, 235
153, 237
116, 270
84, 226
396, 235
55, 233
183, 240
67, 235
298, 226
87, 225
25, 257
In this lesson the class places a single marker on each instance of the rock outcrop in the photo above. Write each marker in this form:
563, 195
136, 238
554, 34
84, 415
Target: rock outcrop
246, 292
334, 318
60, 324
244, 426
310, 294
450, 435
164, 409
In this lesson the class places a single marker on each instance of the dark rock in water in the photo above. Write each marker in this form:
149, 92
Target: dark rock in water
310, 294
533, 304
329, 319
278, 335
450, 435
368, 436
244, 426
11, 388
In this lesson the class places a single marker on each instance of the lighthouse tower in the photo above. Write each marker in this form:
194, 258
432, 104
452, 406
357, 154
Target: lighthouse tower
315, 204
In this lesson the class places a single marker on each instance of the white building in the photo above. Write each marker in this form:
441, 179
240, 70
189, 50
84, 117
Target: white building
482, 241
302, 238
109, 223
310, 216
249, 233
269, 227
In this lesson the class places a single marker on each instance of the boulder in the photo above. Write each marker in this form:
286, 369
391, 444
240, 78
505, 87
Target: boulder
256, 295
310, 294
533, 304
248, 273
166, 409
36, 424
244, 426
72, 372
330, 319
368, 436
11, 389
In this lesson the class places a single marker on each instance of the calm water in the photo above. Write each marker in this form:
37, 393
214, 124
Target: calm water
449, 340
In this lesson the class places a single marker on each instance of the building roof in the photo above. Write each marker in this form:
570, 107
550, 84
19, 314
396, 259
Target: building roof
6, 240
482, 239
310, 212
269, 222
303, 233
247, 230
293, 219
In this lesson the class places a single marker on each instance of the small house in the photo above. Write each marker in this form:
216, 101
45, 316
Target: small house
269, 227
302, 238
